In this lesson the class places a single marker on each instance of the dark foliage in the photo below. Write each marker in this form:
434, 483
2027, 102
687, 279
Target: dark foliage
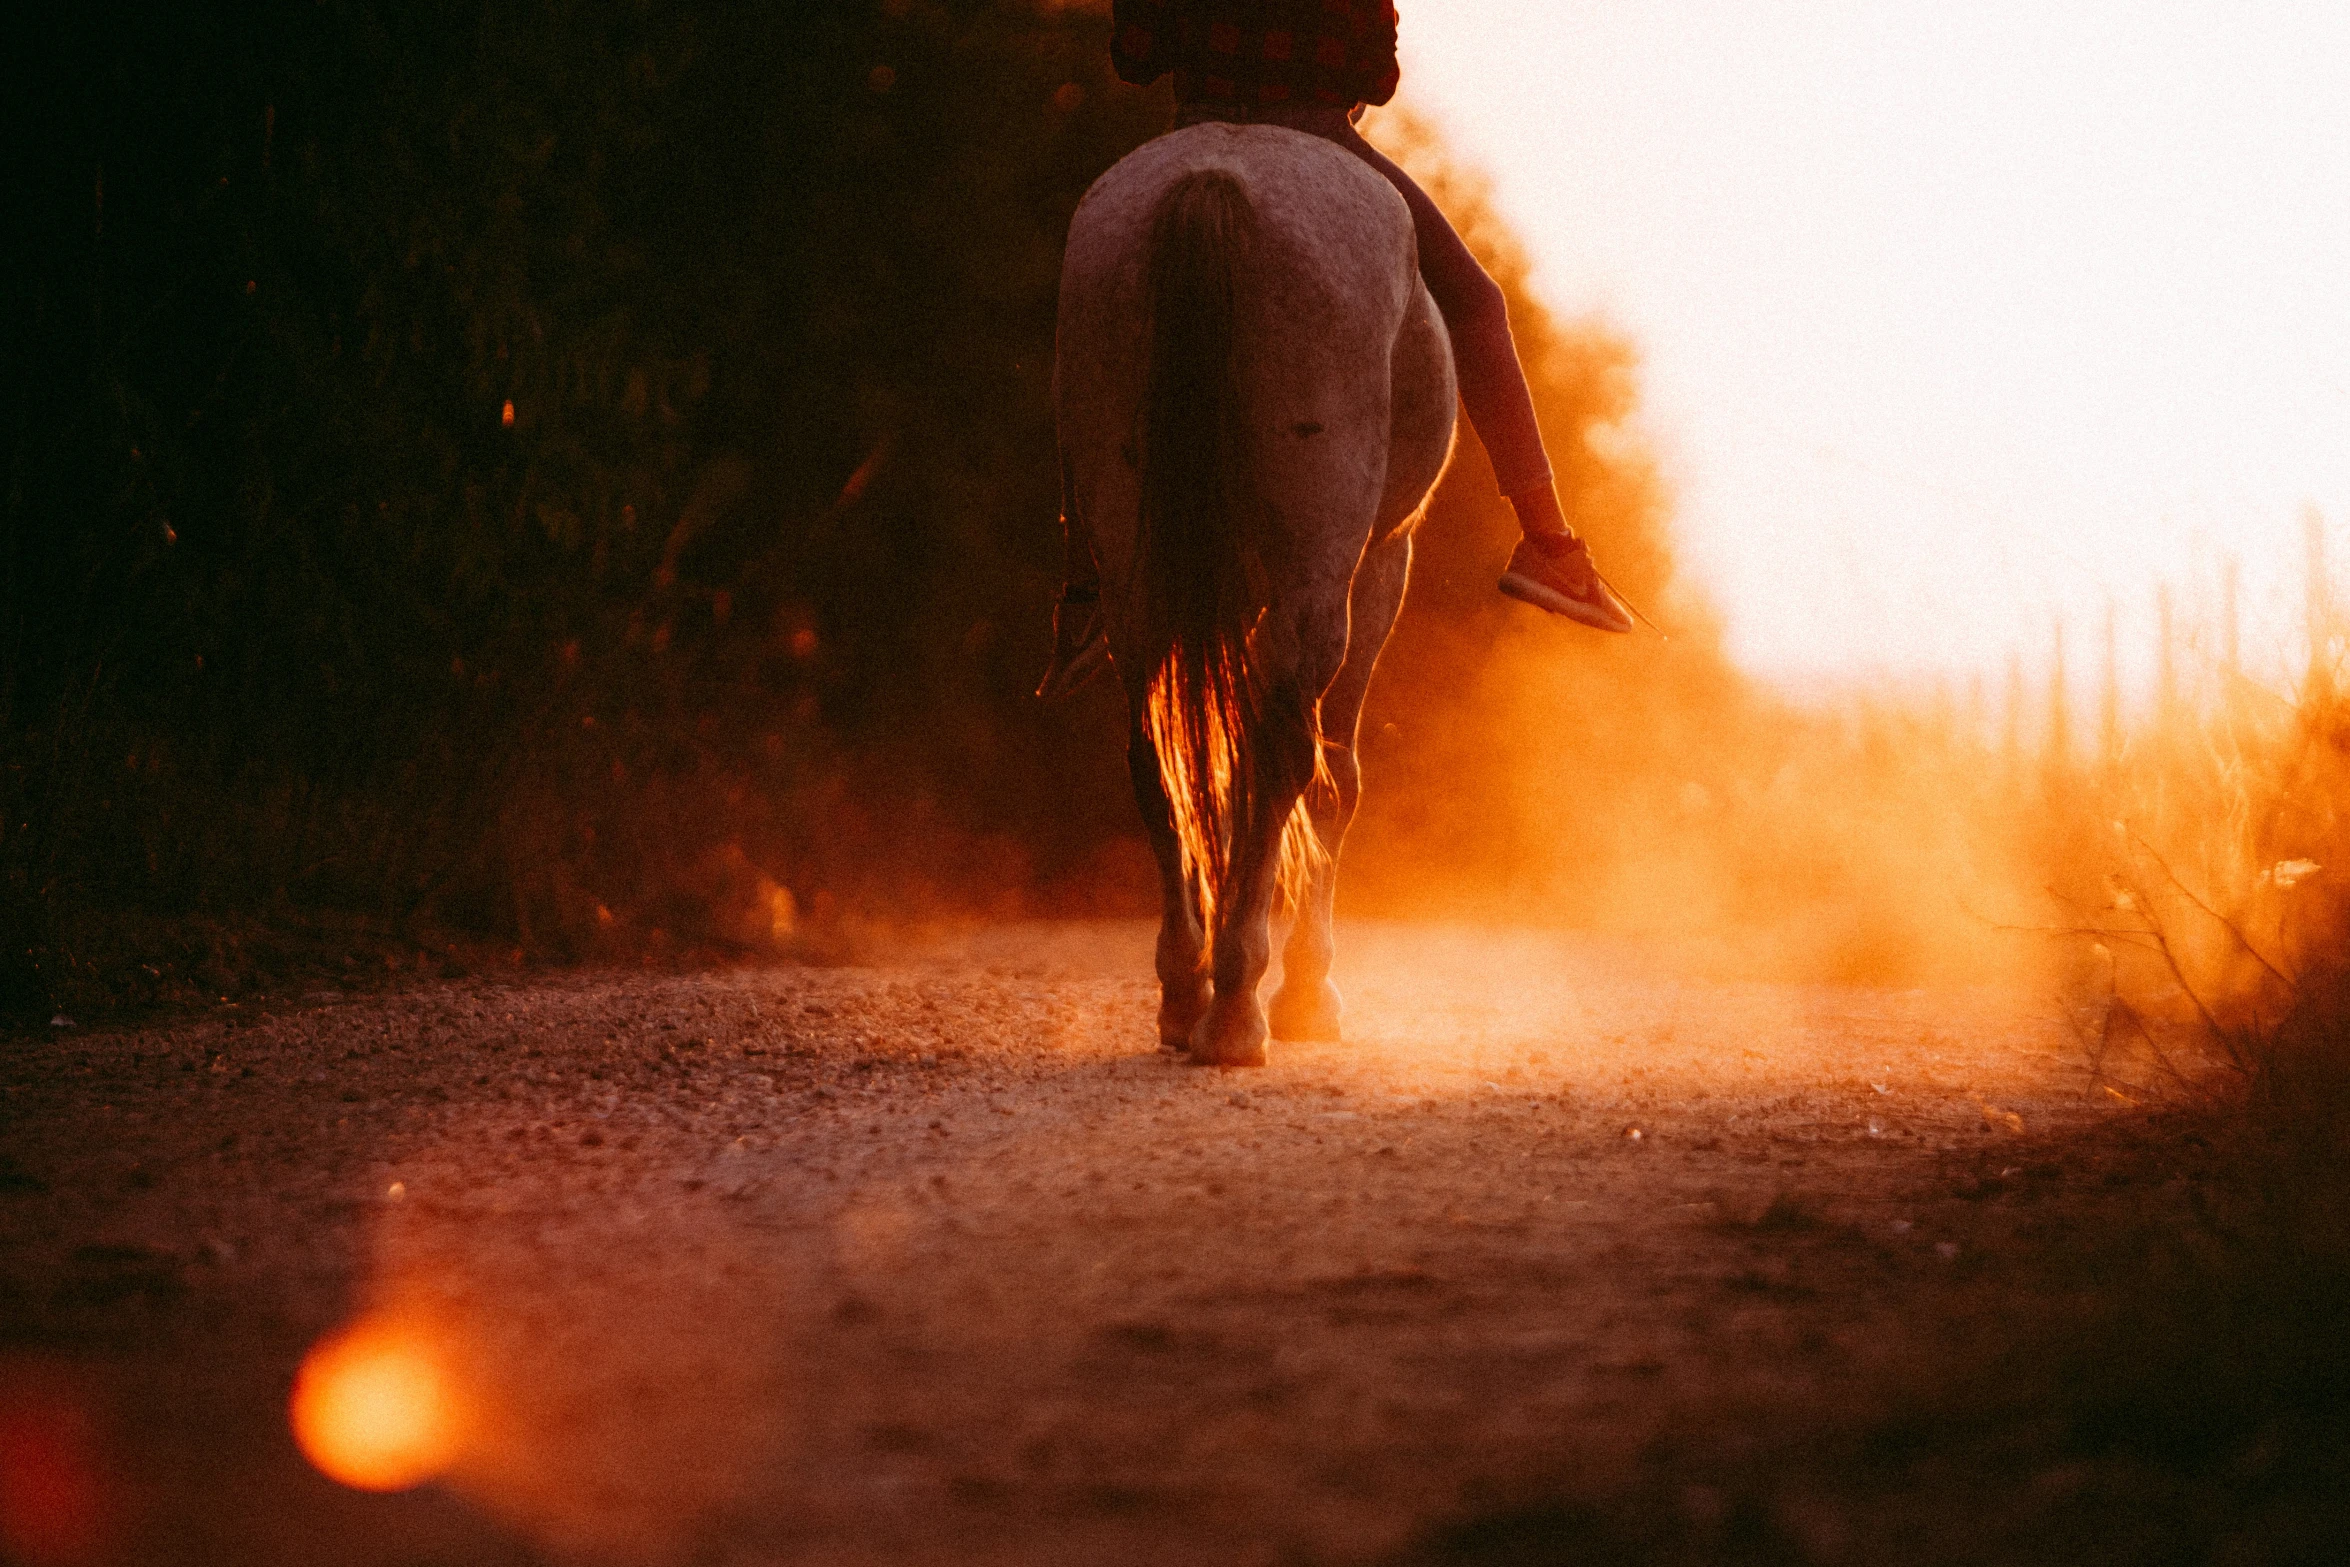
557, 471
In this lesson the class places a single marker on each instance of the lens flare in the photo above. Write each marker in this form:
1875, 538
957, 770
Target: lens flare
371, 1407
51, 1512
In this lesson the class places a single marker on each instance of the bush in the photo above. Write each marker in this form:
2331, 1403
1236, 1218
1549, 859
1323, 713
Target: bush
571, 472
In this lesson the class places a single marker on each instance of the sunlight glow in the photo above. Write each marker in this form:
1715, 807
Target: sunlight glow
1957, 320
371, 1407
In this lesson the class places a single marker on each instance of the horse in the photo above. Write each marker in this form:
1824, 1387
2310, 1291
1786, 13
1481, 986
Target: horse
1255, 396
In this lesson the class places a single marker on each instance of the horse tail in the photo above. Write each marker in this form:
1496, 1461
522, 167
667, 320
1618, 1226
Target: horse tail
1203, 548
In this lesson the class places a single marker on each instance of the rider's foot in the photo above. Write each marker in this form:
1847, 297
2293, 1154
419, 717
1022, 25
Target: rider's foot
1553, 571
1080, 645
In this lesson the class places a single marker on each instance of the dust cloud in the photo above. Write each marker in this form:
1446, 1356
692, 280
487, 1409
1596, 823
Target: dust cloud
1520, 770
2161, 863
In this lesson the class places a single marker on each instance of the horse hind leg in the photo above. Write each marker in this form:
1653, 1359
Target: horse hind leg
1308, 1005
1181, 953
1235, 1028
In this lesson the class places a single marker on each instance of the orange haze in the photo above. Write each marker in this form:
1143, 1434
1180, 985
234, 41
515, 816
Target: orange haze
1519, 768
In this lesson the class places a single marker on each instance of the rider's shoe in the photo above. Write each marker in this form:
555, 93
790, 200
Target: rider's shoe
1080, 645
1553, 571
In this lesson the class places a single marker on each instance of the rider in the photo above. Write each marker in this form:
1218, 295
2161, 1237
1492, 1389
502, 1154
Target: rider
1312, 65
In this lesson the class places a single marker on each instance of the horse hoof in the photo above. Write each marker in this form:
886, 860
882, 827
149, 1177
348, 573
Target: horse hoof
1229, 1045
1307, 1013
1180, 1019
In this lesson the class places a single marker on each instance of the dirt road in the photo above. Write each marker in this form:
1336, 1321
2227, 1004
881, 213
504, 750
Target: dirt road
938, 1261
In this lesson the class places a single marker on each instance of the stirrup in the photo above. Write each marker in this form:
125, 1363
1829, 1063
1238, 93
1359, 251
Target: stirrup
1080, 647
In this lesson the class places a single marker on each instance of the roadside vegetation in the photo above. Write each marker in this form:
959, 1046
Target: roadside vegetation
557, 482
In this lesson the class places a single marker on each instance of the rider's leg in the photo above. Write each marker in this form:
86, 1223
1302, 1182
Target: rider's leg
1477, 316
1551, 568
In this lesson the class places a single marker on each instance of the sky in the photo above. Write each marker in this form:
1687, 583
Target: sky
1957, 319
